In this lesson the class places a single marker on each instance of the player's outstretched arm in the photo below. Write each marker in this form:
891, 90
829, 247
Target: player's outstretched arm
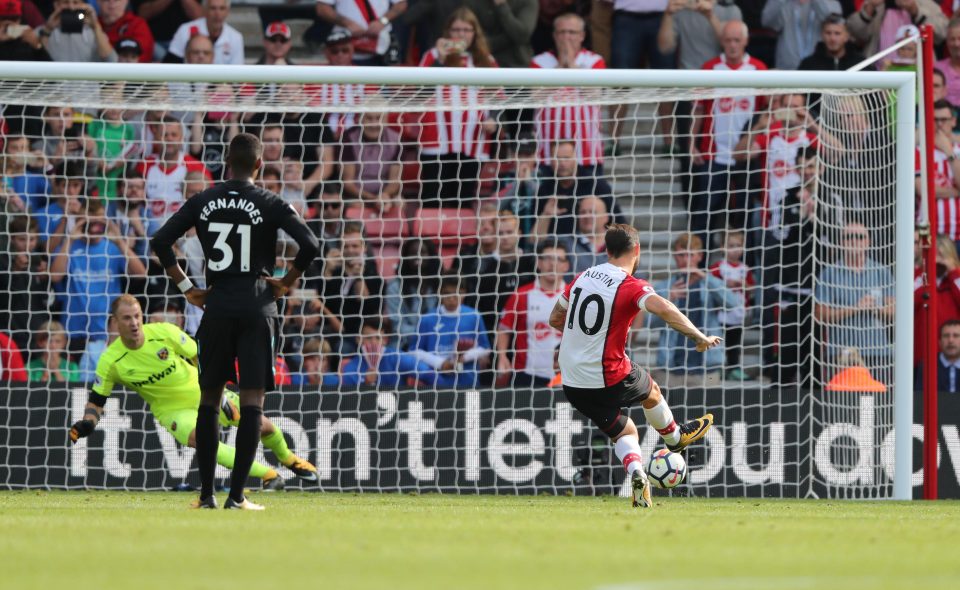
91, 417
674, 318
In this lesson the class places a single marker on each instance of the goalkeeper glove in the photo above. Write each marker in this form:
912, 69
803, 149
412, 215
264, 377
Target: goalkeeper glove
81, 429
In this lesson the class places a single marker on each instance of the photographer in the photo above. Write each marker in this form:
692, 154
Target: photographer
18, 42
74, 33
90, 266
877, 21
450, 161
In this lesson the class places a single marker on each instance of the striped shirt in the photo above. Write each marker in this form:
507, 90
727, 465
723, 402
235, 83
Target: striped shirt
456, 131
337, 95
948, 210
576, 121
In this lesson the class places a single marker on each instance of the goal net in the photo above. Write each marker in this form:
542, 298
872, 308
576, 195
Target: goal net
775, 209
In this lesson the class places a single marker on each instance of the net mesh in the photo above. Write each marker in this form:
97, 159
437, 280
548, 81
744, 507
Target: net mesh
765, 214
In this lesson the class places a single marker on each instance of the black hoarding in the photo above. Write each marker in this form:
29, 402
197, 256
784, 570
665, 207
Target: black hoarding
766, 442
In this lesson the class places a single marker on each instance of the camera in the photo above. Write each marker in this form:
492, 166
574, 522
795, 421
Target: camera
14, 30
71, 21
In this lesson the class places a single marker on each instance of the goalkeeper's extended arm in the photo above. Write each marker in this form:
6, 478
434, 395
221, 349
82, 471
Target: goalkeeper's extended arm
91, 416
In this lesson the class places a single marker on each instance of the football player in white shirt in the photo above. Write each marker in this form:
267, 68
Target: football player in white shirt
595, 313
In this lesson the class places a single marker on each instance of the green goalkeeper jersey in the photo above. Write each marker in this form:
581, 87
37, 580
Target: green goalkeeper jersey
159, 370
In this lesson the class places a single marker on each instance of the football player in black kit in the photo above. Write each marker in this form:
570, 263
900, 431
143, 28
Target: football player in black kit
237, 225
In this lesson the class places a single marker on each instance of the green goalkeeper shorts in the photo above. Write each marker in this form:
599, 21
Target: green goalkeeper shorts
180, 423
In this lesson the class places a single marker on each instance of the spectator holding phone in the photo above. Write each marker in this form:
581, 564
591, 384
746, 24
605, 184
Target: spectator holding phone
875, 24
90, 265
463, 44
74, 33
18, 41
453, 142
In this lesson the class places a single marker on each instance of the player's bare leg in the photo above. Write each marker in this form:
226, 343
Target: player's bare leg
676, 437
207, 440
627, 448
248, 439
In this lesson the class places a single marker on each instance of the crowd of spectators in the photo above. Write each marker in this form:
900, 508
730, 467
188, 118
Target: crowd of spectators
448, 233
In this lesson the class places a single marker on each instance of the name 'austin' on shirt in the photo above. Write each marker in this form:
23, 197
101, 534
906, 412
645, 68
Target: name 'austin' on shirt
237, 225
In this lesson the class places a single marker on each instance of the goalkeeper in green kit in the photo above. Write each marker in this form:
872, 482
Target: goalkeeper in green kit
158, 361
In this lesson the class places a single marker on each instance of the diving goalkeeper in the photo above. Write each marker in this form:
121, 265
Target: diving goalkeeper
158, 362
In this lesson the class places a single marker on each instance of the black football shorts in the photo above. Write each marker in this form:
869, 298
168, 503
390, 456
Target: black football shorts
603, 405
227, 344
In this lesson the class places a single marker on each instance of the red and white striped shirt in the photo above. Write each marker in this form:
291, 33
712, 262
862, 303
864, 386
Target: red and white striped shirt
338, 95
601, 304
359, 12
725, 118
780, 168
576, 121
164, 185
527, 315
948, 210
456, 131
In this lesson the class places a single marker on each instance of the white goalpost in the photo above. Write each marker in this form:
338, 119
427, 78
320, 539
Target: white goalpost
458, 176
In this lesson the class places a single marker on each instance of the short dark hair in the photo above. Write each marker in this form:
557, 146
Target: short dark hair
244, 151
948, 324
378, 323
271, 171
833, 19
942, 104
22, 224
271, 125
69, 170
353, 227
621, 238
130, 172
807, 153
450, 282
551, 243
939, 72
95, 207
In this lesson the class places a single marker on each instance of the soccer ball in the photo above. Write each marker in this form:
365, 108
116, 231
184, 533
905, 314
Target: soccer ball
666, 469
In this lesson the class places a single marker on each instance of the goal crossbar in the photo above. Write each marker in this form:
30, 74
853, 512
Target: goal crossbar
106, 72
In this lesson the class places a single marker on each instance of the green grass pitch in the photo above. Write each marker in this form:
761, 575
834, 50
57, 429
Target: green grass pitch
119, 540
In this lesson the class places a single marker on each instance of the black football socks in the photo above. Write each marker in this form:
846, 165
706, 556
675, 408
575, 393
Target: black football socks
207, 439
248, 439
